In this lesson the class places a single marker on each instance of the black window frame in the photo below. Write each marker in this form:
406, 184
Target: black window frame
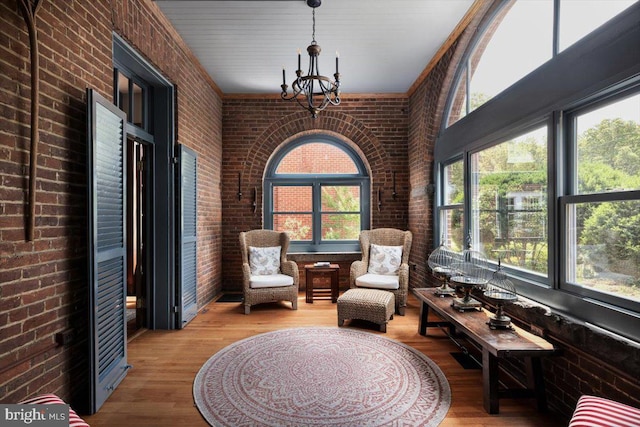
572, 197
147, 100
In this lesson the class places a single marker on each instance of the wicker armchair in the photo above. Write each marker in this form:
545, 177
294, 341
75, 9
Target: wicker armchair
281, 286
398, 283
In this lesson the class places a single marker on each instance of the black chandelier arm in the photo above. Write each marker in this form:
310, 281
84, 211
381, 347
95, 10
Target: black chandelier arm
306, 84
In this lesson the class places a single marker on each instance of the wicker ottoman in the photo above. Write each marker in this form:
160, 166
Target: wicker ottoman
366, 304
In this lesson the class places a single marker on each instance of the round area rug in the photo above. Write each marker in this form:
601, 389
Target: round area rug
321, 377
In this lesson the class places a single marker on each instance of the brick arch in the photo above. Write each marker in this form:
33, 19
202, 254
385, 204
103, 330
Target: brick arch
340, 125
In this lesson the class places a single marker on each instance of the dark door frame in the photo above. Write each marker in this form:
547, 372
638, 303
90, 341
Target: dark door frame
161, 295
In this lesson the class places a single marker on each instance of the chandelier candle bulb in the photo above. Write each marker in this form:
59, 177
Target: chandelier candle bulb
284, 79
337, 58
299, 68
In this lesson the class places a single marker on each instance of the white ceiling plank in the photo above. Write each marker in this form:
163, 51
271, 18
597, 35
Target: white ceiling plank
384, 45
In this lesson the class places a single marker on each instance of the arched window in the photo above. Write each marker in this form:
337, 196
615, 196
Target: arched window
520, 37
317, 190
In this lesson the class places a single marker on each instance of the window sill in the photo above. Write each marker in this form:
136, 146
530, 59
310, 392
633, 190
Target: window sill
324, 256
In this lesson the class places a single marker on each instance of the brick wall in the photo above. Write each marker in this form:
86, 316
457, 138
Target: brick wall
43, 283
254, 127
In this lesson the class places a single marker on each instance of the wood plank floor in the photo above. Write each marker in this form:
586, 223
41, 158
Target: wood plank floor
158, 389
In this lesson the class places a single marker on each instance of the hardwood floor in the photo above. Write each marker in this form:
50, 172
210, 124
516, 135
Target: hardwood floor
158, 389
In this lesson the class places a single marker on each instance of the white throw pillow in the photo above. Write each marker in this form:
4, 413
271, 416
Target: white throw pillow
264, 261
384, 259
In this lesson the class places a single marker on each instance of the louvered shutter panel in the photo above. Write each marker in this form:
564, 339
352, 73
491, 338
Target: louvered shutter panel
107, 246
187, 274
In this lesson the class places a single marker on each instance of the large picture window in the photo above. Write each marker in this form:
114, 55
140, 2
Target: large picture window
602, 213
317, 190
509, 203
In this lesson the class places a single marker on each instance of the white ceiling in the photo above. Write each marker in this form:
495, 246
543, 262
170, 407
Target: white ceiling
384, 45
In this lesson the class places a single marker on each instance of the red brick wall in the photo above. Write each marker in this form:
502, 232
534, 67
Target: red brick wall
254, 127
43, 284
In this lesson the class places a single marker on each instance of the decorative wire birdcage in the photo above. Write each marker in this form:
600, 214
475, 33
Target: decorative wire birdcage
473, 272
500, 290
440, 262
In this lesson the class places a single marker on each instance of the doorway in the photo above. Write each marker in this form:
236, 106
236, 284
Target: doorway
148, 99
139, 172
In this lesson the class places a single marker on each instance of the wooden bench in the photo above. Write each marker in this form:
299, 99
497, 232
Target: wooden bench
495, 344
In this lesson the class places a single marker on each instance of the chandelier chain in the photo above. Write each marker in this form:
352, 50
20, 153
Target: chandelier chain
313, 35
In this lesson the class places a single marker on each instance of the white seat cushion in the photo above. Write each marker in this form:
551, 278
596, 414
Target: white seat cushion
378, 281
270, 281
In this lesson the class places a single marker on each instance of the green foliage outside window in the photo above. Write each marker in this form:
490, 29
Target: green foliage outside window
296, 230
609, 160
511, 203
338, 225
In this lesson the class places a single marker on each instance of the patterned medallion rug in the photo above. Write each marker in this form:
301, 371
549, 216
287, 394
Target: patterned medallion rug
321, 377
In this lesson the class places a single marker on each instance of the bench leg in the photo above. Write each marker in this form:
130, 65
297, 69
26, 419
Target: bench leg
490, 382
536, 381
424, 315
383, 327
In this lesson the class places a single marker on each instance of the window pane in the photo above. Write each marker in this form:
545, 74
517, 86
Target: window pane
604, 247
340, 199
459, 104
123, 95
609, 147
340, 226
297, 226
138, 105
580, 17
453, 185
451, 225
317, 157
509, 202
292, 199
521, 42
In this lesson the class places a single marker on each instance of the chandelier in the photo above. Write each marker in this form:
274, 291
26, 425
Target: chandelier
314, 92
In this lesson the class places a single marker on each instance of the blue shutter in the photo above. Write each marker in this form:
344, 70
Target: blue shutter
106, 172
188, 257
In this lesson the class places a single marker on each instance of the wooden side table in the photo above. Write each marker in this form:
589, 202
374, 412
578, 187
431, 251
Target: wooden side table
311, 272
